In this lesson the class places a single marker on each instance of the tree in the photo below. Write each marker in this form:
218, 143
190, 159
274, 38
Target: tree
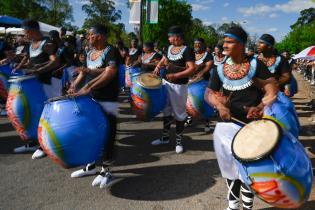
302, 33
23, 9
306, 16
54, 12
252, 41
298, 39
58, 12
100, 12
171, 12
224, 27
104, 12
208, 33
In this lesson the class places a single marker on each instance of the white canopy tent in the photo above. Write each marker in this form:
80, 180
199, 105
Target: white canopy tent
44, 28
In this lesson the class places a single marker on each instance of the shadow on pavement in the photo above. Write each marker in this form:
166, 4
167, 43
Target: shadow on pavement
167, 182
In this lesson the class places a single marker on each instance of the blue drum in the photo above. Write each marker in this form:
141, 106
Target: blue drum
134, 73
162, 73
121, 72
73, 131
5, 74
148, 96
68, 75
196, 106
273, 163
283, 111
25, 104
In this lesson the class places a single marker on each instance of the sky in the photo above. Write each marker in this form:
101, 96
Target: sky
256, 16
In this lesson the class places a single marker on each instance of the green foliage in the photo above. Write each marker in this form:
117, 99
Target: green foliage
54, 12
104, 12
171, 12
298, 39
302, 33
208, 33
100, 12
306, 16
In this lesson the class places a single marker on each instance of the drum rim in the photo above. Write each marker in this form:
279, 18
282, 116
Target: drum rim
63, 98
18, 78
155, 87
249, 160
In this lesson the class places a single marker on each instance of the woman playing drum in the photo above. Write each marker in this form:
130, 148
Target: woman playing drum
102, 63
240, 99
149, 58
43, 60
180, 61
204, 64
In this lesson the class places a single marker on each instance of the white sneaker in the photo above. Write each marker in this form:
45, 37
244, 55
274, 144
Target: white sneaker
25, 148
39, 153
160, 141
179, 148
88, 170
107, 181
97, 181
188, 121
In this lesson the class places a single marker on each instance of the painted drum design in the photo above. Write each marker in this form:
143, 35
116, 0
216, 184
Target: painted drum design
196, 106
73, 131
25, 104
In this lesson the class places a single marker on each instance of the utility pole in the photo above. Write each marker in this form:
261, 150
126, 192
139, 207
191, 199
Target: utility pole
141, 22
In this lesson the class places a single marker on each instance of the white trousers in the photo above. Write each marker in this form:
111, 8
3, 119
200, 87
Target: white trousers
176, 100
54, 89
223, 135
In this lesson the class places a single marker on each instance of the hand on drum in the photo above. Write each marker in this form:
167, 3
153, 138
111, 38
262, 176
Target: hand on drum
84, 91
254, 112
156, 71
72, 89
224, 113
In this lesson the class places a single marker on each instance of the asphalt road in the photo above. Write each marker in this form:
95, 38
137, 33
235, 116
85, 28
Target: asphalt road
149, 178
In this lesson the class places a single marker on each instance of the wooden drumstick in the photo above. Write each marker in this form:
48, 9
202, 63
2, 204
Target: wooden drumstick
239, 121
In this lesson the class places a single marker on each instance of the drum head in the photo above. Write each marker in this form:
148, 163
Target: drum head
21, 78
256, 140
150, 81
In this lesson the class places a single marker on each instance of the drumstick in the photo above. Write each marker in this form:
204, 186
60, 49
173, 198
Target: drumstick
239, 121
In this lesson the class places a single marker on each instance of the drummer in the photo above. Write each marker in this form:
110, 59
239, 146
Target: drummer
240, 99
102, 73
134, 57
180, 62
40, 60
218, 56
64, 53
150, 58
204, 64
277, 64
